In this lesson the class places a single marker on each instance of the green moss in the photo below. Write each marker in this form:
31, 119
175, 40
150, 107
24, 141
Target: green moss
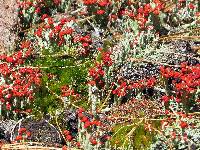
139, 140
120, 132
66, 72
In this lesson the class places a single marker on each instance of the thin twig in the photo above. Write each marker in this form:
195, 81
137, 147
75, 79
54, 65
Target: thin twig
179, 33
56, 55
182, 38
134, 118
153, 119
121, 128
45, 67
43, 24
110, 91
131, 132
78, 10
153, 62
56, 118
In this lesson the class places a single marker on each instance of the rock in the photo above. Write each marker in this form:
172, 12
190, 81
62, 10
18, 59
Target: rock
8, 24
6, 129
41, 131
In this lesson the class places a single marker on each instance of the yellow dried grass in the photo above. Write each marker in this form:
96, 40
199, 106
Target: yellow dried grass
28, 146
